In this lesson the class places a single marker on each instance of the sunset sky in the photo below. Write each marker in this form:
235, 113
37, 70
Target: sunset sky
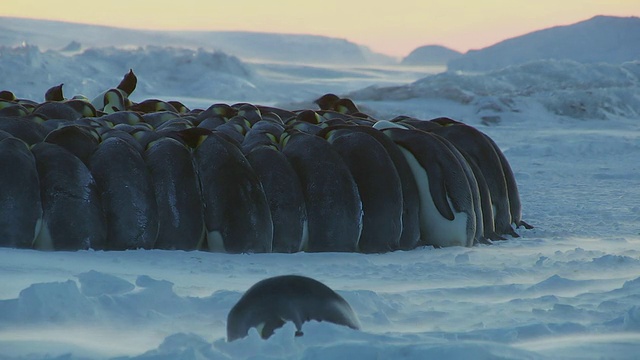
393, 27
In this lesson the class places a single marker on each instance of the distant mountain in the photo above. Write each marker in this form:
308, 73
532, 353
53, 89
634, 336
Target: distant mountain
430, 55
600, 39
245, 45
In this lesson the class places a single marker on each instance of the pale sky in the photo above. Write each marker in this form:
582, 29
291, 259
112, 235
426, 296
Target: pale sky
393, 27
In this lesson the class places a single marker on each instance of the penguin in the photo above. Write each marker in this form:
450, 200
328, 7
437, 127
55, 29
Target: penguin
250, 112
410, 236
81, 141
305, 127
378, 185
4, 135
263, 133
235, 129
479, 236
326, 101
8, 96
179, 106
270, 303
284, 196
347, 106
117, 99
472, 142
122, 135
127, 195
418, 124
515, 206
157, 119
308, 116
224, 111
177, 193
447, 213
281, 113
334, 207
58, 110
54, 93
112, 101
152, 105
128, 83
12, 109
83, 107
237, 215
27, 129
20, 204
211, 122
72, 211
122, 117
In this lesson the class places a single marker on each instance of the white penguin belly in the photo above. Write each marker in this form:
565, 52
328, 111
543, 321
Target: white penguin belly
215, 241
434, 228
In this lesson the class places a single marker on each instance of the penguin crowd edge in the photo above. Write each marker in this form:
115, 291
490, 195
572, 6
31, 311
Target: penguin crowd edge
245, 178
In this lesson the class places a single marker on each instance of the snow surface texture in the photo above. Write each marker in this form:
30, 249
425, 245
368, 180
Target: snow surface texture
568, 289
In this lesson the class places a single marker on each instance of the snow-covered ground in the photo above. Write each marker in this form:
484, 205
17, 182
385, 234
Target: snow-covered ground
568, 289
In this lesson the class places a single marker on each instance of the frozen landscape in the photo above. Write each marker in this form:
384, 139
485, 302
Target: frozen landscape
567, 289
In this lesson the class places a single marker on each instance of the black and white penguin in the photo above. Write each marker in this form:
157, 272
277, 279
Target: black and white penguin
127, 195
237, 215
20, 203
284, 195
379, 187
447, 211
478, 148
410, 236
72, 217
177, 193
270, 303
334, 208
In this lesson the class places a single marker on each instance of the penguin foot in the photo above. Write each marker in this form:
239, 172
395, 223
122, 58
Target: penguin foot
495, 236
512, 232
526, 226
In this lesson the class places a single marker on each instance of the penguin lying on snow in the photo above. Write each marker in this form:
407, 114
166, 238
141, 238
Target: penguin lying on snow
270, 303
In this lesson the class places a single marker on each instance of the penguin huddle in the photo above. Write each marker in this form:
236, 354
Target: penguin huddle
110, 174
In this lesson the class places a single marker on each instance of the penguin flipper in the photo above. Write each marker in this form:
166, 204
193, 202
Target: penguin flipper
438, 190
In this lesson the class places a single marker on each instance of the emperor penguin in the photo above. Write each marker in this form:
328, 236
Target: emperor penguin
447, 211
410, 236
334, 207
177, 193
483, 154
128, 199
237, 215
378, 185
117, 99
20, 202
270, 303
73, 218
81, 141
284, 195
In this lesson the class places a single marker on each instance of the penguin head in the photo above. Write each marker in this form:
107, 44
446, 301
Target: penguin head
7, 95
128, 83
326, 101
113, 101
54, 94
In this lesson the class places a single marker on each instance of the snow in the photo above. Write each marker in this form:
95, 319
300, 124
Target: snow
567, 289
